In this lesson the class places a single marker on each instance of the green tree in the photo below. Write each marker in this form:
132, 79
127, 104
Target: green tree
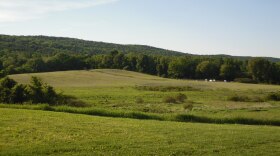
274, 74
36, 90
35, 65
6, 85
162, 66
131, 62
50, 96
182, 67
142, 64
260, 69
5, 95
19, 94
107, 61
230, 70
118, 61
206, 69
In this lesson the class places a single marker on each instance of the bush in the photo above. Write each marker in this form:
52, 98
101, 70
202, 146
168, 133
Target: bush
18, 94
245, 80
70, 101
169, 99
188, 106
139, 100
48, 108
36, 92
166, 88
257, 99
239, 98
181, 97
244, 98
273, 96
40, 92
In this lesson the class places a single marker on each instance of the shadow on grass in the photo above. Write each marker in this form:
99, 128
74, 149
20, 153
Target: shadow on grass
234, 120
108, 113
145, 116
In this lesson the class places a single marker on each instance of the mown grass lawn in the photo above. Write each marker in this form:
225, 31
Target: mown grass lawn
27, 132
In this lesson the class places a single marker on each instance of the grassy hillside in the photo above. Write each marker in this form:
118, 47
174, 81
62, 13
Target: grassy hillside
119, 78
118, 90
25, 132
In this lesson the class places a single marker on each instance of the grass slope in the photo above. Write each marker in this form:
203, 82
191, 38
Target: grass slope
115, 90
26, 132
121, 78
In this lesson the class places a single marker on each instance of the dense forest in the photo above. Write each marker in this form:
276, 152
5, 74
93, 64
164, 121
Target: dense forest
44, 54
50, 45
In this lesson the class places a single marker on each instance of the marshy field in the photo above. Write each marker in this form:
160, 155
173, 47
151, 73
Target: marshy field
119, 112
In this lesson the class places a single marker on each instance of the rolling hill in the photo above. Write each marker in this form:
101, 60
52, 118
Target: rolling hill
107, 125
123, 78
117, 90
49, 45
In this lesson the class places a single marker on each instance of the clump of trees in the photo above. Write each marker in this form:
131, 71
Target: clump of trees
36, 92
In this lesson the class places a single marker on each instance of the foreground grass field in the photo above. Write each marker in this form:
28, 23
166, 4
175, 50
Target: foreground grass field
112, 90
29, 132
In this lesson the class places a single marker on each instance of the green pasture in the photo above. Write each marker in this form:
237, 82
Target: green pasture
118, 90
155, 127
30, 132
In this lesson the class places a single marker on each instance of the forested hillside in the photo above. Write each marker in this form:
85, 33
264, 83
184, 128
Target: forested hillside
50, 45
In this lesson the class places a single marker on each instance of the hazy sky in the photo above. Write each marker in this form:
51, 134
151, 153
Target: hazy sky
235, 27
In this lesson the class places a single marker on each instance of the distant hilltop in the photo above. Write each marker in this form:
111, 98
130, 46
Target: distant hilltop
47, 44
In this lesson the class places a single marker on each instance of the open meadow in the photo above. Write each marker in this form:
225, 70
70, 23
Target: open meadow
130, 91
210, 123
139, 78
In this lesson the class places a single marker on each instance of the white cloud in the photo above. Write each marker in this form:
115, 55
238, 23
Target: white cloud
21, 10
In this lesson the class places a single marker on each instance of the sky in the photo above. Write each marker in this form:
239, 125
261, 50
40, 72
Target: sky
234, 27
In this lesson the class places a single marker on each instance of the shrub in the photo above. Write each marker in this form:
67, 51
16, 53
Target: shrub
139, 100
19, 94
257, 99
245, 80
239, 98
7, 82
9, 90
48, 108
273, 96
181, 97
69, 101
169, 99
188, 106
166, 88
36, 92
244, 98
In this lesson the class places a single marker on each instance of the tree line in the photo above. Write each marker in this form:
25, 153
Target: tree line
256, 70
